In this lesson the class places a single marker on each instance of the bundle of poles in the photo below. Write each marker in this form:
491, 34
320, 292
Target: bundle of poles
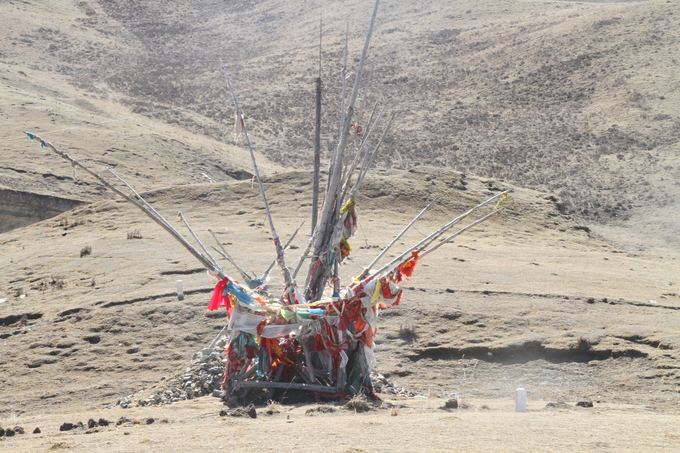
318, 336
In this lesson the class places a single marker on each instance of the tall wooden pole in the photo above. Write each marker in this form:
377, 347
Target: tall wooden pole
317, 141
322, 234
280, 259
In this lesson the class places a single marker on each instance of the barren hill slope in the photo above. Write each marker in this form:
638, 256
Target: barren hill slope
89, 123
579, 98
524, 300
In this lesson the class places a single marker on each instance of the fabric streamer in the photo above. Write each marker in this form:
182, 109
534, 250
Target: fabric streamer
219, 296
406, 270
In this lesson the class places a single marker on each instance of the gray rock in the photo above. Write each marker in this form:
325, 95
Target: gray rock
218, 393
123, 420
67, 426
557, 405
451, 404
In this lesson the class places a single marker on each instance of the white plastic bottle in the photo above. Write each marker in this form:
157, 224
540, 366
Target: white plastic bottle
180, 289
520, 400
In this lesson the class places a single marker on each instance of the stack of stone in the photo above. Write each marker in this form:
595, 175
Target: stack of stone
203, 377
382, 385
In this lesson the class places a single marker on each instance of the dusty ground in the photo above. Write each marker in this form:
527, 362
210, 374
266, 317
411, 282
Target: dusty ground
577, 100
415, 426
526, 300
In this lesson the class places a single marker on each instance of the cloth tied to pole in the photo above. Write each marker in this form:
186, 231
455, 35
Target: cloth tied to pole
390, 291
407, 268
219, 295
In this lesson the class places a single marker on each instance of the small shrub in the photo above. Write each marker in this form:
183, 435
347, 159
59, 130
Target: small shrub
85, 251
134, 234
358, 403
52, 282
408, 334
57, 282
66, 223
583, 344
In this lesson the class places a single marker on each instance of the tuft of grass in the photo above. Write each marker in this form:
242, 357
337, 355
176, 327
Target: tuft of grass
583, 344
52, 282
134, 234
408, 334
358, 404
66, 223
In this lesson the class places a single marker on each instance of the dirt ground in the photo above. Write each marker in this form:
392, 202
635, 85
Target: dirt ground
530, 299
572, 292
417, 425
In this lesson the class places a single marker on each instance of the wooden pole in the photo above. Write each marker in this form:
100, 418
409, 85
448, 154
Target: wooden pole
393, 241
135, 193
196, 238
303, 257
285, 246
343, 82
366, 162
324, 230
317, 155
141, 204
341, 104
290, 284
459, 232
437, 234
247, 278
359, 156
317, 138
222, 251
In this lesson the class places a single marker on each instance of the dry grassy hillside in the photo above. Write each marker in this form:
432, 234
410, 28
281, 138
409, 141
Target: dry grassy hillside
38, 94
527, 299
579, 98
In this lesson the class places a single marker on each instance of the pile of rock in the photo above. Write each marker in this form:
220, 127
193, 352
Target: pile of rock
9, 432
203, 377
383, 385
68, 426
91, 423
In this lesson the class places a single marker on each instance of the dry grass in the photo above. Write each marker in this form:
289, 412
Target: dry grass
408, 333
134, 234
502, 94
